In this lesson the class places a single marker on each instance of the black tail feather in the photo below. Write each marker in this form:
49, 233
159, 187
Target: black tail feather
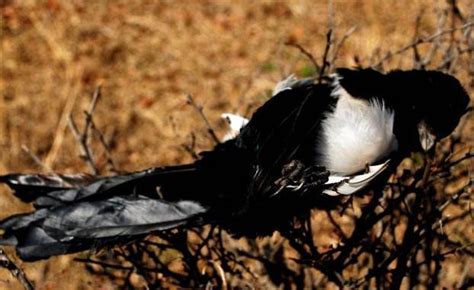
76, 227
75, 215
56, 190
29, 187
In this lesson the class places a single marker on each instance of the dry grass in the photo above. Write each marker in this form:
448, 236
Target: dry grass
148, 55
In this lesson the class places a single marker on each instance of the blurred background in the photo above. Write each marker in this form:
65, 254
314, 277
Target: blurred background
149, 55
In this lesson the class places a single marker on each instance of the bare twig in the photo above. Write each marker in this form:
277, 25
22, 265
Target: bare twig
325, 55
83, 138
105, 145
15, 270
456, 12
340, 44
421, 40
200, 110
36, 159
306, 53
191, 148
95, 97
417, 62
86, 152
219, 270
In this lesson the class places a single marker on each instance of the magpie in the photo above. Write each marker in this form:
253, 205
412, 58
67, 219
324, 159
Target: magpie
311, 141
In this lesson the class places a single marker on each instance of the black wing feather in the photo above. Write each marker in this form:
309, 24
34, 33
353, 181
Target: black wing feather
283, 129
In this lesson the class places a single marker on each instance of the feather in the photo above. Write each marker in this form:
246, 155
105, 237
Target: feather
28, 187
235, 123
88, 221
358, 132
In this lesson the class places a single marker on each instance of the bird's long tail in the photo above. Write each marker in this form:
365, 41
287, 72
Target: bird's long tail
78, 212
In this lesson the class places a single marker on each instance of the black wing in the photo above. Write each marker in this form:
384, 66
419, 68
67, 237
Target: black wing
285, 128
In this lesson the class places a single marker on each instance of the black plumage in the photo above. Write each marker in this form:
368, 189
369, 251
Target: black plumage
251, 185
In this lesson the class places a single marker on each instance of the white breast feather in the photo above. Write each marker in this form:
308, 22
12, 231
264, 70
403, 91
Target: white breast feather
356, 134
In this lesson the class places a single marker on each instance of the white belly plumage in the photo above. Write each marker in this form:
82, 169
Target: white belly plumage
356, 134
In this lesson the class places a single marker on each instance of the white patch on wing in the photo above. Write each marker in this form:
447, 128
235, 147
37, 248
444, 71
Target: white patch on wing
356, 134
235, 123
285, 84
53, 180
289, 83
345, 185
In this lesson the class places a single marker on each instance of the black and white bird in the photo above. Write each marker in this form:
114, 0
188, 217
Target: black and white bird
309, 142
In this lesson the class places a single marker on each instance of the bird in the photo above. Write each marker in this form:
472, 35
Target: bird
312, 141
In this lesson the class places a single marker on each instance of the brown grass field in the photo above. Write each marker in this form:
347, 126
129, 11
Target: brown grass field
148, 55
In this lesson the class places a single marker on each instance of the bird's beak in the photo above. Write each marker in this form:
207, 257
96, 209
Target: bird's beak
427, 138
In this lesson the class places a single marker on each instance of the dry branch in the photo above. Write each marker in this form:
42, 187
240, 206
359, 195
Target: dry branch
421, 40
15, 270
82, 138
108, 154
199, 109
340, 44
325, 55
86, 153
35, 158
306, 53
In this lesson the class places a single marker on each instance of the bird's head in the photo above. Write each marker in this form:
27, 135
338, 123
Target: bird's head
432, 100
